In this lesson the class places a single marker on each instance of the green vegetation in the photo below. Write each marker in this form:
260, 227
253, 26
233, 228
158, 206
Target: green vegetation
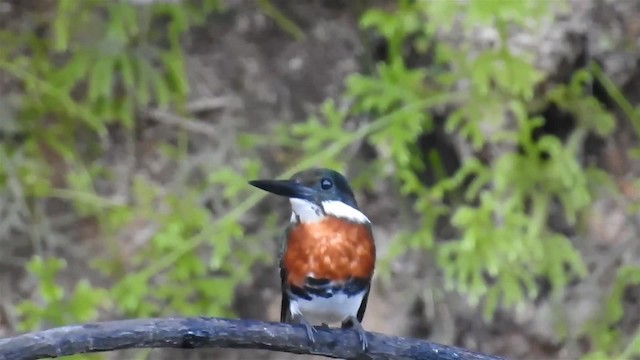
124, 71
77, 82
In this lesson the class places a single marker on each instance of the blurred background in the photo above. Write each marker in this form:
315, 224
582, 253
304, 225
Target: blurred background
493, 144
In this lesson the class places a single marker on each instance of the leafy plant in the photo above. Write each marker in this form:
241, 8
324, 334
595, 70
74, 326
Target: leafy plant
499, 208
607, 341
82, 83
54, 308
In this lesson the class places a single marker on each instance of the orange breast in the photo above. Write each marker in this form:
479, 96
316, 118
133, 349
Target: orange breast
330, 249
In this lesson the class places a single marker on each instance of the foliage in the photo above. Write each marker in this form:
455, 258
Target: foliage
606, 339
86, 83
76, 82
82, 305
502, 217
500, 208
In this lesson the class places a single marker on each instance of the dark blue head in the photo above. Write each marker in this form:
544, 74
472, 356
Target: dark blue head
315, 194
313, 185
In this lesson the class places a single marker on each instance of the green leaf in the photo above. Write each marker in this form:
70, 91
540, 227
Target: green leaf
101, 78
175, 76
126, 70
61, 24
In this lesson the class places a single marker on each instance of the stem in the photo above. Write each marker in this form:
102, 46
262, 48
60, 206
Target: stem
630, 112
280, 19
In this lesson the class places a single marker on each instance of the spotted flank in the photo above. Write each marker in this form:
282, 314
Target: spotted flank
324, 288
322, 301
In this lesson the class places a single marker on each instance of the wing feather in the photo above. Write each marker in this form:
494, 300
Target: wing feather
284, 304
363, 305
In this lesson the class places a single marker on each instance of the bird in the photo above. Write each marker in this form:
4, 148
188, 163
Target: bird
327, 258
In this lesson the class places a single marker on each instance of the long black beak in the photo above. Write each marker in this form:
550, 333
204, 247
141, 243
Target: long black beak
287, 188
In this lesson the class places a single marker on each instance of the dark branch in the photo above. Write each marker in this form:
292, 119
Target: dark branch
203, 332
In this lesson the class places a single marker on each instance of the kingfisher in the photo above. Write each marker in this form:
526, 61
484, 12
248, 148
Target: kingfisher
328, 255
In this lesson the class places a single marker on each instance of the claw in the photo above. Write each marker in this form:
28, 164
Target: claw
310, 331
353, 323
308, 328
363, 339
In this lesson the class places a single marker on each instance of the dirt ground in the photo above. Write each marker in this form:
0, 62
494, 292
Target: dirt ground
254, 75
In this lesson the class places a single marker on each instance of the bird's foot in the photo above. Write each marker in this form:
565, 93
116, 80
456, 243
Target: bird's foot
310, 329
353, 323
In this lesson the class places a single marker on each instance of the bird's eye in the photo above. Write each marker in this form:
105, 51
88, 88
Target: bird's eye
326, 184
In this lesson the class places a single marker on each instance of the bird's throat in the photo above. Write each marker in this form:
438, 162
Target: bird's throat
304, 211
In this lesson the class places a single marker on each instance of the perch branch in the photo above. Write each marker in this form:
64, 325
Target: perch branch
188, 333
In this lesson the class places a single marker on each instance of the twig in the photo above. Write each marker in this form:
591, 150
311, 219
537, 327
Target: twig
187, 124
189, 333
280, 19
193, 107
6, 308
211, 103
614, 92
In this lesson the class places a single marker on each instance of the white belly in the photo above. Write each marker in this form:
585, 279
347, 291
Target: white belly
326, 310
